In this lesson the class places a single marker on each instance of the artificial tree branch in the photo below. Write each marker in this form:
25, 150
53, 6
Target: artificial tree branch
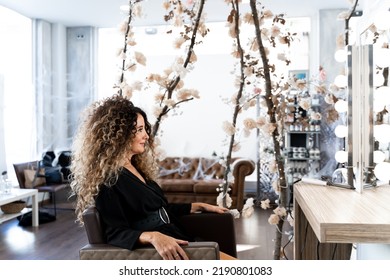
275, 134
129, 19
235, 16
347, 22
174, 82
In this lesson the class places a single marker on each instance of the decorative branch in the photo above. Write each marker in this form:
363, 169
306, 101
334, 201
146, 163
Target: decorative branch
234, 18
269, 98
175, 81
347, 22
127, 32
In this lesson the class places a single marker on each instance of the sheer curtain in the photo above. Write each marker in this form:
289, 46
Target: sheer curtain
17, 105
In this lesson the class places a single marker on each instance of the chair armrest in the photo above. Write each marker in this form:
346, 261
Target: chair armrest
194, 251
240, 169
213, 227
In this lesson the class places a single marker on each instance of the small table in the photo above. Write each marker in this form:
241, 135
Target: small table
18, 194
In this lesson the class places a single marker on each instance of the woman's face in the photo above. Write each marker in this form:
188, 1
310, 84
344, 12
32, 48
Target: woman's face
140, 138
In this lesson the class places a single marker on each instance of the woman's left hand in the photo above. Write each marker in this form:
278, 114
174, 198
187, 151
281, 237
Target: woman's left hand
199, 206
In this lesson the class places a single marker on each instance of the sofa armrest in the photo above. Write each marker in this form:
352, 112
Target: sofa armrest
213, 227
194, 251
240, 169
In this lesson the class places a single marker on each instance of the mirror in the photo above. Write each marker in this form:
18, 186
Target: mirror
372, 159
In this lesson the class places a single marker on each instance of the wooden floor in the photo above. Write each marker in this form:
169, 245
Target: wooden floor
61, 239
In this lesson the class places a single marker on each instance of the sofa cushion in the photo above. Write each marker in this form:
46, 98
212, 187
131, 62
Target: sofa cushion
207, 186
177, 185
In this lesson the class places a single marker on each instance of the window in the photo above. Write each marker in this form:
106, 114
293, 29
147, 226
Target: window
17, 122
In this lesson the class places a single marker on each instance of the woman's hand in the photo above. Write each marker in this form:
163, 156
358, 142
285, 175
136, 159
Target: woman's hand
167, 247
199, 206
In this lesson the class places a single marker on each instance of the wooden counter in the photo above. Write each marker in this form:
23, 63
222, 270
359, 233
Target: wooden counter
329, 219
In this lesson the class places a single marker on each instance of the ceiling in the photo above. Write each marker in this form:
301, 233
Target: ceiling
106, 13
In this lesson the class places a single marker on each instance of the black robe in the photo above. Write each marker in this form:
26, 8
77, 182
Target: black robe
130, 200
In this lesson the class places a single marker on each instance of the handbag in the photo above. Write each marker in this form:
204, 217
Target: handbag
34, 177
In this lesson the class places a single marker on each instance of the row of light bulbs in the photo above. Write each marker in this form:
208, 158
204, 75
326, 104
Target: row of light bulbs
381, 99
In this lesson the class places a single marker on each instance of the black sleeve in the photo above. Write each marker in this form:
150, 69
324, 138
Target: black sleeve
117, 229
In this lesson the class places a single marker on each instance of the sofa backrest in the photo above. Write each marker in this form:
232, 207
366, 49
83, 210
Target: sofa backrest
191, 168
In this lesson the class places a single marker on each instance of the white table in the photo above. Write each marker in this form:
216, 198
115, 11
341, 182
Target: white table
18, 194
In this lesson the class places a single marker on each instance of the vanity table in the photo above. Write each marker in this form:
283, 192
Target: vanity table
329, 219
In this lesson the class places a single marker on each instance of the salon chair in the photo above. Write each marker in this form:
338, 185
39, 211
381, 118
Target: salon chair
216, 229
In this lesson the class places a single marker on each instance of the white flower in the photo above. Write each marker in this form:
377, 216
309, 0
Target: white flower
305, 104
249, 123
228, 128
265, 204
316, 116
247, 209
273, 219
280, 211
261, 121
179, 42
329, 99
140, 58
137, 10
137, 85
247, 212
273, 167
220, 200
235, 213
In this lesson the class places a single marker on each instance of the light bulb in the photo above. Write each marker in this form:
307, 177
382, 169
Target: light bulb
382, 94
379, 156
382, 133
341, 106
340, 55
382, 57
381, 171
379, 79
341, 156
341, 81
341, 131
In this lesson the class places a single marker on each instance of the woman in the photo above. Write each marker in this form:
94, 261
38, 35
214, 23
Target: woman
114, 169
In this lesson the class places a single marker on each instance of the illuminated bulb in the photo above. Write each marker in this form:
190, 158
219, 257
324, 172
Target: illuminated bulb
341, 106
378, 79
341, 131
341, 81
340, 55
382, 133
341, 156
382, 94
379, 156
381, 171
382, 57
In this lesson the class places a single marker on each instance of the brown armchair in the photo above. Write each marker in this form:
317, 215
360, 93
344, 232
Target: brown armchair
217, 229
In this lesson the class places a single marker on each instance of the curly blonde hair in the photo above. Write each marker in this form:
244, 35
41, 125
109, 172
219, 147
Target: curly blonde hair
100, 148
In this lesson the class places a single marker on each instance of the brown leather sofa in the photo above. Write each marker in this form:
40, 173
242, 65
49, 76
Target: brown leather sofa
216, 229
186, 180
